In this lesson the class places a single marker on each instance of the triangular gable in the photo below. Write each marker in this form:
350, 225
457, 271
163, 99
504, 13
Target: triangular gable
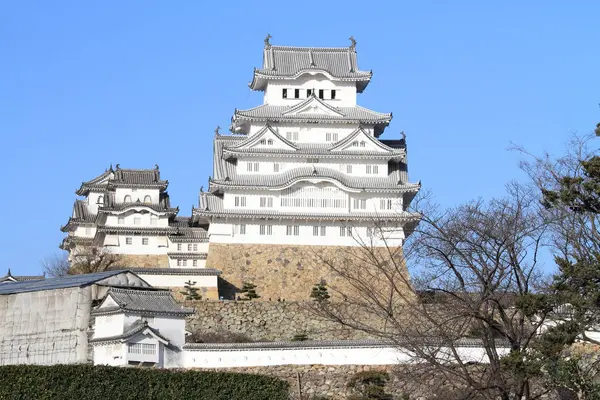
147, 332
102, 178
313, 105
364, 142
262, 139
108, 302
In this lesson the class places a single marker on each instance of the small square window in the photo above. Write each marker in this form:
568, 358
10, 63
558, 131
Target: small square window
195, 246
145, 241
275, 167
179, 263
323, 230
128, 240
184, 263
332, 94
178, 246
315, 231
195, 263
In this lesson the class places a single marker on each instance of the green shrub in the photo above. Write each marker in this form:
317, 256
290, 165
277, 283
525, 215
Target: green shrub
370, 385
71, 382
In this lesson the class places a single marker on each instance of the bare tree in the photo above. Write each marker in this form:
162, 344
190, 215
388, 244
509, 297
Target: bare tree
56, 265
93, 259
84, 261
475, 274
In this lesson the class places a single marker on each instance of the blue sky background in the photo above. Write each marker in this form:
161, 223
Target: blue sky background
86, 84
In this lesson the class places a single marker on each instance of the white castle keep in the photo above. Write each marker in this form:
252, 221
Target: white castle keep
305, 168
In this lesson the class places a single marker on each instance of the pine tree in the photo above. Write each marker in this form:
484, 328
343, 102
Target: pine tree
249, 290
319, 291
190, 292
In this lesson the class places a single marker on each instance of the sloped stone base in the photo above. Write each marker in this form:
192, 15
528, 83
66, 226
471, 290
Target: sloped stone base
280, 272
143, 260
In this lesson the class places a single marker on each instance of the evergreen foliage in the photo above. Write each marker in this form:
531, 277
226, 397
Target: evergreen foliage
249, 290
300, 337
319, 292
190, 292
369, 385
75, 382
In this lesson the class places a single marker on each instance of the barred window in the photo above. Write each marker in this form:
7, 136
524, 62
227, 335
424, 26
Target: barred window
266, 229
292, 230
345, 231
128, 240
323, 230
385, 204
195, 246
360, 204
240, 201
179, 263
195, 263
314, 197
315, 231
291, 136
275, 167
145, 241
141, 348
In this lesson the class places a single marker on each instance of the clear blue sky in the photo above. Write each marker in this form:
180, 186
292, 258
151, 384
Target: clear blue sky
85, 84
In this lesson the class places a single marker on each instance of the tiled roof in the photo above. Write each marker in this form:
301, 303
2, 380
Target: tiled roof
465, 342
179, 271
288, 178
285, 62
187, 256
80, 215
344, 115
191, 235
75, 240
9, 277
212, 206
137, 178
115, 207
60, 283
136, 328
138, 230
232, 148
147, 302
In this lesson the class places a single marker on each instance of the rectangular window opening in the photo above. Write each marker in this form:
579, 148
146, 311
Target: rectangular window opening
284, 93
296, 93
145, 241
321, 91
332, 94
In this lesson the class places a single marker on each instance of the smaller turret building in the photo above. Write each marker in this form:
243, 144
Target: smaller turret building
128, 212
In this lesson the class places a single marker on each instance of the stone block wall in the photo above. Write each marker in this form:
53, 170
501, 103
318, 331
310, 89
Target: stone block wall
329, 381
265, 321
281, 271
144, 260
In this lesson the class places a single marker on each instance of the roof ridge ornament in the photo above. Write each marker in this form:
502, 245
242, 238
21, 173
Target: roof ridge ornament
353, 42
403, 135
217, 130
267, 44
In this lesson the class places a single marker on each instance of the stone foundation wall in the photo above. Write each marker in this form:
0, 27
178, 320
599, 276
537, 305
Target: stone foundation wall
144, 260
207, 293
308, 382
265, 321
281, 271
325, 381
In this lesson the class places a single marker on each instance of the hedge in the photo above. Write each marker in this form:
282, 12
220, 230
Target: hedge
76, 382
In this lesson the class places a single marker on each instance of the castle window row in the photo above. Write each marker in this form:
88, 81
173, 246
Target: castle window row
267, 167
324, 94
138, 220
185, 263
296, 230
144, 241
311, 197
190, 246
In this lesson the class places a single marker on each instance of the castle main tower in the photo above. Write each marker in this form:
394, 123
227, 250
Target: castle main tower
304, 175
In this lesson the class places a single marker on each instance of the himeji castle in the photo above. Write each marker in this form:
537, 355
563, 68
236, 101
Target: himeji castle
307, 167
303, 176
